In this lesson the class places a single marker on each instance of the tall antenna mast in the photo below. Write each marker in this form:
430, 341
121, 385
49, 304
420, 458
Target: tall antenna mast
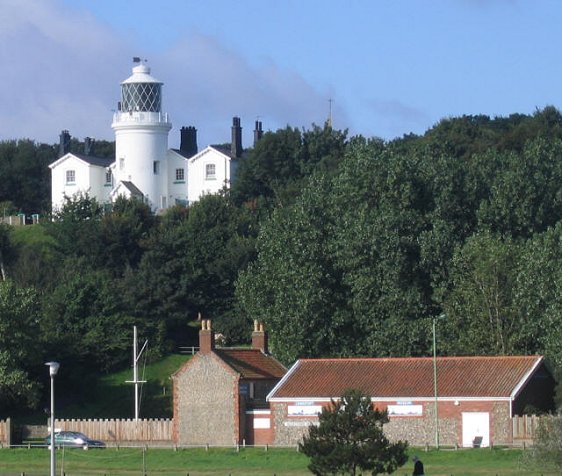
329, 123
136, 381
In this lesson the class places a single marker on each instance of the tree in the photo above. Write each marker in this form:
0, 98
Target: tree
19, 350
190, 263
480, 304
343, 261
350, 438
274, 171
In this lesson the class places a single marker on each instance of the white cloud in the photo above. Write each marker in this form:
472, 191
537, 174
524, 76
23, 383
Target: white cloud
59, 71
207, 84
62, 68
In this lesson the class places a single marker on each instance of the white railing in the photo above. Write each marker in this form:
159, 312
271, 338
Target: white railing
136, 117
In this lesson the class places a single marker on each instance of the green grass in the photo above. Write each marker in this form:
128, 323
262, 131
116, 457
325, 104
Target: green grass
248, 461
31, 235
113, 397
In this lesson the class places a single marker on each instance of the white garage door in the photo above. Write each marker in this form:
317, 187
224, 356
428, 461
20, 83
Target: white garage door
475, 427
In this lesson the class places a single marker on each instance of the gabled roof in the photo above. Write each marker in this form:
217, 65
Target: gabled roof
457, 377
88, 159
251, 363
207, 150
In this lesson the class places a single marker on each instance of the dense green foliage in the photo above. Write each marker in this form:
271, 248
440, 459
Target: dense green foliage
341, 246
402, 232
547, 444
349, 439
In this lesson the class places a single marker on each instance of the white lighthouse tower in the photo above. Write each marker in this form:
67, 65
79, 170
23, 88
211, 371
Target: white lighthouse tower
141, 140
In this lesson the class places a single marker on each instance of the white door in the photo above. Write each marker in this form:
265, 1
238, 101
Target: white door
475, 428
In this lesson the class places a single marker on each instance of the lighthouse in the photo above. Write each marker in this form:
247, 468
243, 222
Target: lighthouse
141, 139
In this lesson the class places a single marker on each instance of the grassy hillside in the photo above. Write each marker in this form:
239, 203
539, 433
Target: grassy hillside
110, 396
113, 397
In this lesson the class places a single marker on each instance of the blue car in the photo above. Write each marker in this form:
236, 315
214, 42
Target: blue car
73, 439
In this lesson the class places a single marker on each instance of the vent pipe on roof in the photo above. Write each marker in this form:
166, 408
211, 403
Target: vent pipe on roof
188, 141
64, 143
236, 146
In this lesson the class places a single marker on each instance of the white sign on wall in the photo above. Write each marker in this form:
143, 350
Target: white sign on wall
405, 410
304, 410
262, 423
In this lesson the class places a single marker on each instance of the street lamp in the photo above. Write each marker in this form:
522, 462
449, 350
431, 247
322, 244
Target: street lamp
442, 316
53, 369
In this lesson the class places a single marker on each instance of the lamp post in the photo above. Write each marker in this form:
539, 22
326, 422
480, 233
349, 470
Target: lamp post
53, 369
436, 411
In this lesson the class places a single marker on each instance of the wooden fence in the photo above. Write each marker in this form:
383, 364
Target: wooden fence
111, 431
524, 427
120, 431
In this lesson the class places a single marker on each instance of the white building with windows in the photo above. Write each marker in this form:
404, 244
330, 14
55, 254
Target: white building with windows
144, 167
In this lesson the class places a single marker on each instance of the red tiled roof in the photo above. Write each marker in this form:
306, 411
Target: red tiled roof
406, 377
252, 363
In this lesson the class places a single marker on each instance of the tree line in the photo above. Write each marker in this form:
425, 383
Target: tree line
341, 246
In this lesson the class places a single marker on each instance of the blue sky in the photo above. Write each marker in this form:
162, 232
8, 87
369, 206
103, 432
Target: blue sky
391, 67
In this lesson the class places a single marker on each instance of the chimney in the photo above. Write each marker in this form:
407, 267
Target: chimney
258, 132
188, 141
206, 337
64, 143
259, 337
88, 145
236, 146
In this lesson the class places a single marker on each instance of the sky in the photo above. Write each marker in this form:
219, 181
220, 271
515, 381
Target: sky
383, 68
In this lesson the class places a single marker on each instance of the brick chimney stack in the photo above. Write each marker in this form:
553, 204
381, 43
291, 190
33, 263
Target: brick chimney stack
259, 337
206, 337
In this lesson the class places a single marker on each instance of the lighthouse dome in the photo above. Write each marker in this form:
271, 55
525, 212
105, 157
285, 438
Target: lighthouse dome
141, 91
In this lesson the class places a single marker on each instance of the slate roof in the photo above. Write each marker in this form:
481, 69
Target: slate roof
488, 376
183, 154
99, 161
132, 188
252, 363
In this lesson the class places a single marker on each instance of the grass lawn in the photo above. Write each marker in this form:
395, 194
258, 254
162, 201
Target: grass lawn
249, 461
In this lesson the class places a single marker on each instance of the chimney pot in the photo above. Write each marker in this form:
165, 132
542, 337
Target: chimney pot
206, 337
236, 145
188, 141
259, 337
64, 143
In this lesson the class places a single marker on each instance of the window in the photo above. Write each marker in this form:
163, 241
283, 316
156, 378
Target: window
180, 175
108, 176
210, 173
156, 167
70, 177
121, 163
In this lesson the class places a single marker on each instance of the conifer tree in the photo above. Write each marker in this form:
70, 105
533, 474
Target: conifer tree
350, 438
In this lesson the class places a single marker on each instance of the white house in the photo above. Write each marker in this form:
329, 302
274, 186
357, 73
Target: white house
143, 166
